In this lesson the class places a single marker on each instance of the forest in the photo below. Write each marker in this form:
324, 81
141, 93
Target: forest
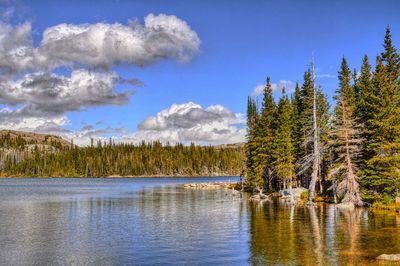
350, 151
109, 159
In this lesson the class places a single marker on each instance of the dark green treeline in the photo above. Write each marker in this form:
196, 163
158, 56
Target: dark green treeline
146, 159
354, 147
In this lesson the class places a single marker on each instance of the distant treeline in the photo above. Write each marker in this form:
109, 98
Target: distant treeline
352, 153
145, 159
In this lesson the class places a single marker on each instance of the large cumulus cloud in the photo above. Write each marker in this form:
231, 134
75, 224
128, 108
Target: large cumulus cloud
51, 94
97, 45
189, 122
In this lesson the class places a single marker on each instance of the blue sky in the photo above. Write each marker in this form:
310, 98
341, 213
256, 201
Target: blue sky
241, 43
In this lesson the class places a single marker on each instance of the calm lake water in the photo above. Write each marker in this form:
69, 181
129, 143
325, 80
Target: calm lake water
156, 221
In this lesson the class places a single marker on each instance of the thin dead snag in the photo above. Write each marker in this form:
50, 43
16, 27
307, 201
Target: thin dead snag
316, 160
346, 145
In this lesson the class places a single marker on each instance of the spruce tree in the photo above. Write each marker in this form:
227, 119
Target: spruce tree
364, 90
304, 161
381, 174
252, 179
391, 58
296, 105
264, 137
283, 148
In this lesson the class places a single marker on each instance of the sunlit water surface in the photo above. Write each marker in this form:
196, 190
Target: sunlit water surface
157, 221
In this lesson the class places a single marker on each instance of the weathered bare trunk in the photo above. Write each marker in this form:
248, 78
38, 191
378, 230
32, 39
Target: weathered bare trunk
352, 191
315, 167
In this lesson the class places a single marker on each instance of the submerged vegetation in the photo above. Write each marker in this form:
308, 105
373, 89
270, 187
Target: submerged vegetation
352, 153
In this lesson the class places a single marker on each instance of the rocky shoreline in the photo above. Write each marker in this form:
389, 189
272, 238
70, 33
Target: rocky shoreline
210, 185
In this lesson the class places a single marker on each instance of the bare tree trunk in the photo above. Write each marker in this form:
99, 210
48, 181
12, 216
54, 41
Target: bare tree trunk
315, 167
352, 194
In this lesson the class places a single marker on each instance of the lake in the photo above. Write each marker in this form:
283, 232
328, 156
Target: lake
156, 221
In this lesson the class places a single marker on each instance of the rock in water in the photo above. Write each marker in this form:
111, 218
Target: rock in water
347, 206
389, 257
285, 193
260, 197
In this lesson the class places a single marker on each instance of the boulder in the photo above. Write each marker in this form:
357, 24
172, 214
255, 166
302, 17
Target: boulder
346, 206
260, 197
389, 257
285, 193
397, 200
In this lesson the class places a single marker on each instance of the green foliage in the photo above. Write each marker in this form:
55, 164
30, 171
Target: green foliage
260, 138
296, 105
146, 159
282, 148
381, 173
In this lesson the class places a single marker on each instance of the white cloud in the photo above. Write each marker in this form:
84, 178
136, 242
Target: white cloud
276, 87
97, 45
189, 122
45, 94
31, 123
258, 90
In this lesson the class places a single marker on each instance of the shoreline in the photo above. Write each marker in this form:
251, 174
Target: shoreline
122, 177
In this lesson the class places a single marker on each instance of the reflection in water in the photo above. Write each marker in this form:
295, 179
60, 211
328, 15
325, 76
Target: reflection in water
321, 235
154, 221
147, 223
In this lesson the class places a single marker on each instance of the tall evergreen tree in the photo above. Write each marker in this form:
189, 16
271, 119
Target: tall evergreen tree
346, 140
283, 148
382, 174
364, 90
296, 103
252, 179
264, 136
304, 162
391, 58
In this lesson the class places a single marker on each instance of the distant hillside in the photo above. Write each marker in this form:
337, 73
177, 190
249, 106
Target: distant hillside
19, 139
26, 154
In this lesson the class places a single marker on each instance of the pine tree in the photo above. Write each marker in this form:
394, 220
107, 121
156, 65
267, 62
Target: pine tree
283, 148
251, 145
346, 140
304, 162
391, 59
381, 174
264, 137
296, 104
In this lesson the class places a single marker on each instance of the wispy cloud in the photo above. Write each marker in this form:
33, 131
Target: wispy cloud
329, 76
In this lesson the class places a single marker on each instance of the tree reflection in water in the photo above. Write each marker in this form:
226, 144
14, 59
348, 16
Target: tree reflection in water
320, 235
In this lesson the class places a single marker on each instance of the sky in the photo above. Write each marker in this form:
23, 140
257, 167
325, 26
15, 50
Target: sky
177, 71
